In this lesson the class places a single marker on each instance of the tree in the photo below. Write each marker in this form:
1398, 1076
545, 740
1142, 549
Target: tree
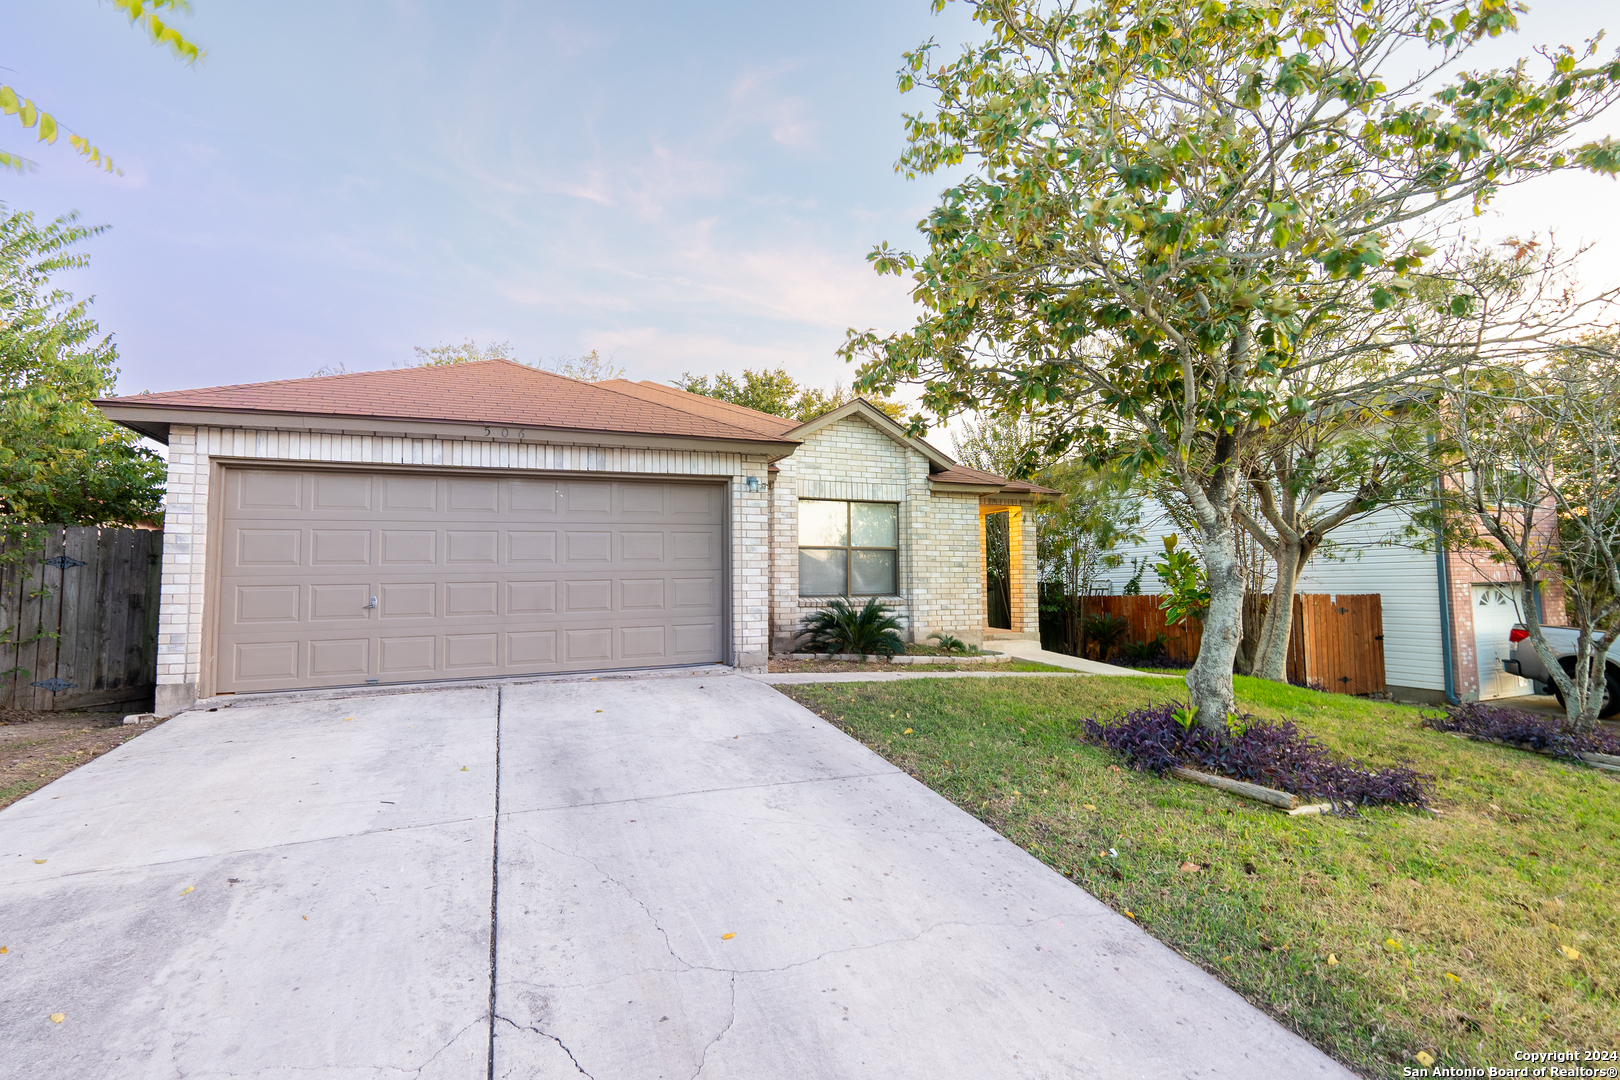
591, 367
1164, 197
140, 13
1536, 469
776, 392
60, 459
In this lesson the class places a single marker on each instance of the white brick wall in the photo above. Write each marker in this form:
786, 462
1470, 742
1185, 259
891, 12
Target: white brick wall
185, 528
941, 574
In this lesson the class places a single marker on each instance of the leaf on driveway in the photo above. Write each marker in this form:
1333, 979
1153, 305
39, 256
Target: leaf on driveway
187, 889
3, 950
464, 768
1573, 954
727, 937
57, 1018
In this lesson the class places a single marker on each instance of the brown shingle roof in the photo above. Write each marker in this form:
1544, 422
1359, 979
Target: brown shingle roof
961, 474
484, 392
724, 411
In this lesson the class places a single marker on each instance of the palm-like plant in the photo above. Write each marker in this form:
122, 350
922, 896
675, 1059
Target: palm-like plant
840, 627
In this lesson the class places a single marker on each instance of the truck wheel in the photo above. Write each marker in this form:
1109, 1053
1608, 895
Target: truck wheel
1611, 693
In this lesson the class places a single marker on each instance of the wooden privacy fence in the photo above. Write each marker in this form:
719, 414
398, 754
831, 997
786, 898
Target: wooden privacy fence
78, 620
1337, 642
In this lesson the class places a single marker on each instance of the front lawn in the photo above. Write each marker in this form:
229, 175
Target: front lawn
1376, 937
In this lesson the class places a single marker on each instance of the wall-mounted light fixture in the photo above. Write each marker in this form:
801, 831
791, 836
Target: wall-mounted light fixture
753, 483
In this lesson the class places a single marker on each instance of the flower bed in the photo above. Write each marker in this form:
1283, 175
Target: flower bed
1545, 734
1271, 753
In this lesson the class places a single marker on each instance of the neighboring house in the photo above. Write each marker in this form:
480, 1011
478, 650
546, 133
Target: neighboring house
490, 519
1446, 616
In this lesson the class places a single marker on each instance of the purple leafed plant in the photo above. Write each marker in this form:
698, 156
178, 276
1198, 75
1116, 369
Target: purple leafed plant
1275, 754
1552, 733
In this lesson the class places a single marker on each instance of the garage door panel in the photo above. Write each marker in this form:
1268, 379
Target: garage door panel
340, 547
472, 577
643, 643
531, 547
588, 646
262, 660
462, 548
399, 656
269, 490
347, 601
342, 658
470, 598
341, 491
583, 498
586, 548
260, 604
412, 548
588, 597
407, 600
269, 547
531, 597
470, 494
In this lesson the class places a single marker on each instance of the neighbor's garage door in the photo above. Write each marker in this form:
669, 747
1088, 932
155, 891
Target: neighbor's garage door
472, 576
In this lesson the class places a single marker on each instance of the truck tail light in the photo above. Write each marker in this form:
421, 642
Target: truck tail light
1518, 634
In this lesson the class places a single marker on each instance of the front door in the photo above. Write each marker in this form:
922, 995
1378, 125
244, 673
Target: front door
1495, 612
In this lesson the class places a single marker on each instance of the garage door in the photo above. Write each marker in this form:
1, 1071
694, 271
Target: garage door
330, 578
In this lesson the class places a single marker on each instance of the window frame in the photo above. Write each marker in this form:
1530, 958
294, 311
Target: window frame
851, 547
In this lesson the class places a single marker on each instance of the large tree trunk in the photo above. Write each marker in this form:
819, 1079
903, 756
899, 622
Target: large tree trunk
1271, 660
1210, 680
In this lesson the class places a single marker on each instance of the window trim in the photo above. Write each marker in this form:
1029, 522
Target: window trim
850, 548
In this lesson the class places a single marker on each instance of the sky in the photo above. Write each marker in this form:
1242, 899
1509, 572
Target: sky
683, 187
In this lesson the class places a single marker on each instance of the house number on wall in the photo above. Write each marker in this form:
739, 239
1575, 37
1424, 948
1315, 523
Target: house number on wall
505, 433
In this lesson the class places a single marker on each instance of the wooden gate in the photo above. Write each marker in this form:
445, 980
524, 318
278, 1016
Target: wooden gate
78, 620
1338, 643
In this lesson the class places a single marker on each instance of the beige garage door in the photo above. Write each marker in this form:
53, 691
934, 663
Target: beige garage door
331, 578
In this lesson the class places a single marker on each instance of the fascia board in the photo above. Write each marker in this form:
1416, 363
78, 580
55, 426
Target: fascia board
147, 420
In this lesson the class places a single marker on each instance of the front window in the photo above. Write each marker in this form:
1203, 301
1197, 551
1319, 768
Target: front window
848, 548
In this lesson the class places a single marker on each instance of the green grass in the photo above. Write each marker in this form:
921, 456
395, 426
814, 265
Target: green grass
1446, 929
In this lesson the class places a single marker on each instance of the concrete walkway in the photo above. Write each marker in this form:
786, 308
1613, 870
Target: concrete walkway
652, 878
1031, 650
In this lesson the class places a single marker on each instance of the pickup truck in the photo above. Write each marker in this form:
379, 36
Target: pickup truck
1523, 662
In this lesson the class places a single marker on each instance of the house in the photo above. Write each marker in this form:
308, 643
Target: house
1446, 614
491, 519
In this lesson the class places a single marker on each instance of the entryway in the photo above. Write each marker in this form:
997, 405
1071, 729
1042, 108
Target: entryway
1495, 611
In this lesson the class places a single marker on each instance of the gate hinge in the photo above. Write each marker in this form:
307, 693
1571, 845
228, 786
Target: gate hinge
55, 686
62, 562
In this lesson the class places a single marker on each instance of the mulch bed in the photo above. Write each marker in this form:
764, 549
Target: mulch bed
38, 747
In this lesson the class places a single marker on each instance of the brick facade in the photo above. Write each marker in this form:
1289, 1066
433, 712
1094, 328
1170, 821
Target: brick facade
941, 571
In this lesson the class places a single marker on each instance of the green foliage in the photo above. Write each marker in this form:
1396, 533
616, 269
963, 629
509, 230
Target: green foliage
591, 367
1104, 630
143, 14
1159, 203
1186, 589
778, 393
60, 459
949, 642
840, 627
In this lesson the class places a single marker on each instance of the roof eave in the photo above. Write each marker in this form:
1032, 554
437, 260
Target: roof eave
156, 420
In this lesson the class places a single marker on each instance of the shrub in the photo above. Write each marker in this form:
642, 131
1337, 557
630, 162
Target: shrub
1155, 653
1104, 630
1275, 754
841, 628
949, 643
1515, 726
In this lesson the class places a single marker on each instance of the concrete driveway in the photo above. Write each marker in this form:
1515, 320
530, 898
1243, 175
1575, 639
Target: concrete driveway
661, 877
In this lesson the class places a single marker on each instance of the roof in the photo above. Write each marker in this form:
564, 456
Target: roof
481, 392
961, 474
509, 394
724, 411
